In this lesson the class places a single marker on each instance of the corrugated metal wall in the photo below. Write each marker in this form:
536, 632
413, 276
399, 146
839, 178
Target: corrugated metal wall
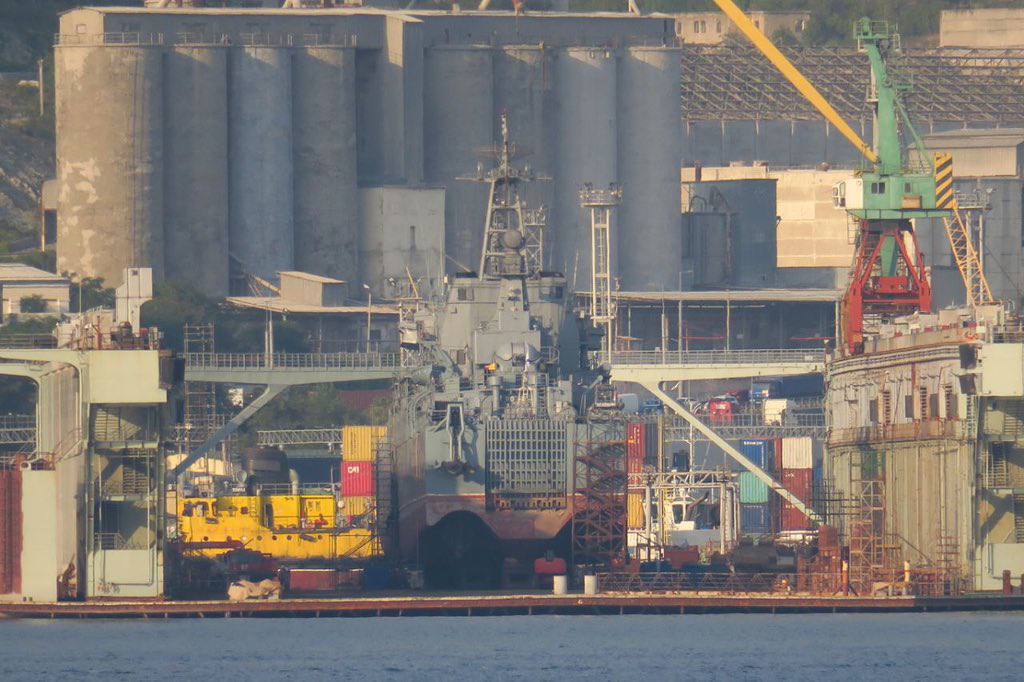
10, 532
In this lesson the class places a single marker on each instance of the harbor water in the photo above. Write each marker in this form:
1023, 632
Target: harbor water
794, 647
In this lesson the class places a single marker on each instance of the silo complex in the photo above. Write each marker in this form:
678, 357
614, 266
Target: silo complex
208, 144
458, 120
260, 160
324, 137
109, 111
650, 247
196, 167
587, 133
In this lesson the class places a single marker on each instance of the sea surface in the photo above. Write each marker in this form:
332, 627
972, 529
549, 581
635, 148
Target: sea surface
792, 647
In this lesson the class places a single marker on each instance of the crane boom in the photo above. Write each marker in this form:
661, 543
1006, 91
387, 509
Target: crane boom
793, 75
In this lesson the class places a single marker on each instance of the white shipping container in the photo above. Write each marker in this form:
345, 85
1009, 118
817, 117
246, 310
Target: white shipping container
797, 453
775, 411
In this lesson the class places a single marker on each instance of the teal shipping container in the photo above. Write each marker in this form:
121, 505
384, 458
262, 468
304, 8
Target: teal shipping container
752, 489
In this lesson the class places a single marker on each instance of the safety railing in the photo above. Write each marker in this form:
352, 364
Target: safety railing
908, 431
676, 581
291, 361
714, 357
322, 488
326, 436
28, 341
116, 38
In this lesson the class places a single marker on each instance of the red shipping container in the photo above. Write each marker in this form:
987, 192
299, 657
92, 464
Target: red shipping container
799, 482
358, 479
10, 532
636, 447
311, 580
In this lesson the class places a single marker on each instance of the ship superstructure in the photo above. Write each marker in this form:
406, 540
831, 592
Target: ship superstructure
483, 452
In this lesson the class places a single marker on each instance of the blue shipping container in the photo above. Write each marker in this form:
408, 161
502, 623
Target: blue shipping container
760, 452
756, 519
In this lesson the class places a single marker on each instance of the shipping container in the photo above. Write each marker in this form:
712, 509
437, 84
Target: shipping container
760, 452
306, 580
358, 479
800, 483
636, 446
10, 532
756, 519
635, 511
752, 489
356, 506
797, 453
359, 443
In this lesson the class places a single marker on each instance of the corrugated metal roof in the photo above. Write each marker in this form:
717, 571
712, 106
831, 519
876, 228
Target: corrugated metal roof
19, 272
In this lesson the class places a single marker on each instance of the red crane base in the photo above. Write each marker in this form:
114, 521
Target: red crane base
884, 290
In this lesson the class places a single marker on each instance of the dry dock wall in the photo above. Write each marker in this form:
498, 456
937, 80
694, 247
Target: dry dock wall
216, 140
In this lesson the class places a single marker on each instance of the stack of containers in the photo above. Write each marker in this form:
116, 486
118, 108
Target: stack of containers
636, 453
798, 478
358, 476
755, 510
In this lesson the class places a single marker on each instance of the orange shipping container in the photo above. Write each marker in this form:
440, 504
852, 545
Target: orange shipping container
359, 443
635, 511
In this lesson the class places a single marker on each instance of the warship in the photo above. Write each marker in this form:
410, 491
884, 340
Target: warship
483, 451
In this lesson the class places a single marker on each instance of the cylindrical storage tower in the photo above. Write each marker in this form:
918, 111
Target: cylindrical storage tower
523, 79
324, 136
586, 80
650, 243
109, 160
260, 231
458, 117
196, 168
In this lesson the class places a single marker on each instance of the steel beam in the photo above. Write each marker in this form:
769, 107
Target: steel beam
271, 392
781, 490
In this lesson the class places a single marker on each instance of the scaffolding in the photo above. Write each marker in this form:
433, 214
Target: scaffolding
866, 530
599, 503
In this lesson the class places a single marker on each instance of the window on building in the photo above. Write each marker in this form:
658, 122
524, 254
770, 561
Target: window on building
922, 402
886, 406
873, 411
950, 401
718, 26
703, 26
464, 294
696, 27
412, 237
908, 407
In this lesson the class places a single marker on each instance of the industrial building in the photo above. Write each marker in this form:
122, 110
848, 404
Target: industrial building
202, 142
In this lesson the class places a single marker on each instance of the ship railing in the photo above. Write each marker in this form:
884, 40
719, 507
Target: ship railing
714, 357
111, 541
28, 341
311, 361
679, 581
1011, 333
112, 38
312, 488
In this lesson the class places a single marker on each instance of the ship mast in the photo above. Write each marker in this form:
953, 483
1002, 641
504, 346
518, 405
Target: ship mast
513, 244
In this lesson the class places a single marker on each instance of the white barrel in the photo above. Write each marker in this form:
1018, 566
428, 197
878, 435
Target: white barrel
458, 117
590, 584
587, 130
261, 234
109, 160
326, 198
560, 585
650, 240
196, 153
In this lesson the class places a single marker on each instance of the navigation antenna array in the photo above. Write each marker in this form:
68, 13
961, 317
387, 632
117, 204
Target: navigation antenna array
513, 234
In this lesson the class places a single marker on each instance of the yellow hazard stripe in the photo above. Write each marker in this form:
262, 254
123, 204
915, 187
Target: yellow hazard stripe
943, 180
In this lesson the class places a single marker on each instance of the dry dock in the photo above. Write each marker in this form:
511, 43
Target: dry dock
504, 605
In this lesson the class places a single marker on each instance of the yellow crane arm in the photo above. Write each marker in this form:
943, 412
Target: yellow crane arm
793, 75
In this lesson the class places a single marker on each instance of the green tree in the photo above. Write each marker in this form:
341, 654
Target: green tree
33, 304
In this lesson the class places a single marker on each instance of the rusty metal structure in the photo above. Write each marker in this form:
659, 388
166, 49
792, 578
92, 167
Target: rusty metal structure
599, 502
